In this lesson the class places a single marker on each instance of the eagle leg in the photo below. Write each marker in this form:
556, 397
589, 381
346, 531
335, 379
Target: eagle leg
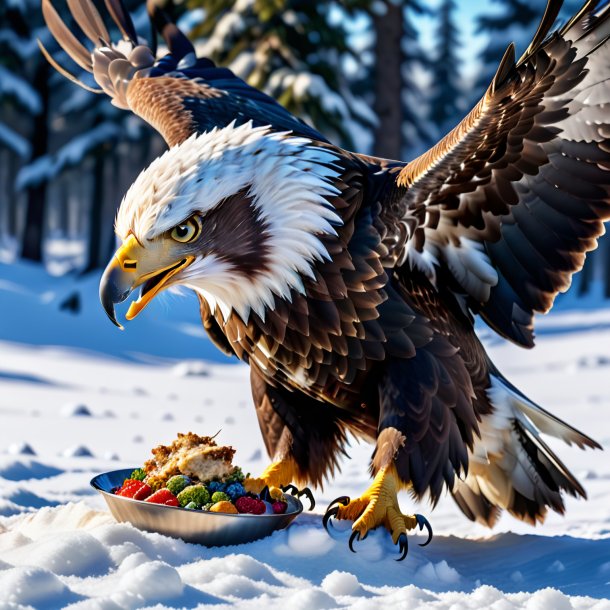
378, 506
280, 474
277, 474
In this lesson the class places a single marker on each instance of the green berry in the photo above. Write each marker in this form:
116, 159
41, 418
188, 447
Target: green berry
138, 474
191, 506
194, 493
220, 496
236, 476
177, 483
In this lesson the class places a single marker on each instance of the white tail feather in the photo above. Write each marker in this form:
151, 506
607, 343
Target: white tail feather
510, 466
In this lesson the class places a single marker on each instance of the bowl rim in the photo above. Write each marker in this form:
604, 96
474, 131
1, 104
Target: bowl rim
105, 492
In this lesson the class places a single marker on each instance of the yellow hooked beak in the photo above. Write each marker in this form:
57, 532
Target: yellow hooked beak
133, 265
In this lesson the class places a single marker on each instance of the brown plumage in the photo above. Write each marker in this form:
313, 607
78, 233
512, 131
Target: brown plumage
376, 336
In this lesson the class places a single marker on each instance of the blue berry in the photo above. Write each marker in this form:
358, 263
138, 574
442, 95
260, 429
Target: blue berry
214, 486
235, 490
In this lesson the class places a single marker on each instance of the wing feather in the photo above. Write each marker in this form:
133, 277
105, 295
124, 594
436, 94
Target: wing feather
89, 20
178, 94
521, 187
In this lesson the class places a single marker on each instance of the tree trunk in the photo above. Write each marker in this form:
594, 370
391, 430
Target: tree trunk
6, 199
605, 257
585, 277
389, 30
33, 233
119, 160
96, 213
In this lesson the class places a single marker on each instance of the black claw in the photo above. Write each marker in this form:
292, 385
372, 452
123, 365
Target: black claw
423, 522
344, 500
403, 546
355, 536
300, 492
307, 493
332, 511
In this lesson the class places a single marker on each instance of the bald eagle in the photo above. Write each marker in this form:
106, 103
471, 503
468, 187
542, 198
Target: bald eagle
350, 284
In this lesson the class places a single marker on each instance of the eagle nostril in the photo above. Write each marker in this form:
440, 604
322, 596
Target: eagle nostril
128, 264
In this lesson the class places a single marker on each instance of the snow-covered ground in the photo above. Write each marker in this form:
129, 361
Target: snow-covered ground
78, 397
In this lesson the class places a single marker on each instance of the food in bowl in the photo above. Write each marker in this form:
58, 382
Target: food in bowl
195, 473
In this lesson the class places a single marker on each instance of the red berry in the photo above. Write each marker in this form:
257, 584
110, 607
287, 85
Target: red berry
128, 488
163, 496
259, 507
245, 504
135, 489
142, 492
127, 483
279, 507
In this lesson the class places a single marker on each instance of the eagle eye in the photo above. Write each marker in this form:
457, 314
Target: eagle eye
187, 231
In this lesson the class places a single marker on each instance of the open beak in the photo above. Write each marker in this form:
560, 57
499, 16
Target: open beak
133, 266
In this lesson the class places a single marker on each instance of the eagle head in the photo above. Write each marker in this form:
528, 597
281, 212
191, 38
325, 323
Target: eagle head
237, 214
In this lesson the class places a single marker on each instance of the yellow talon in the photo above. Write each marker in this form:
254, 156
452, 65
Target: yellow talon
276, 474
276, 493
377, 506
280, 477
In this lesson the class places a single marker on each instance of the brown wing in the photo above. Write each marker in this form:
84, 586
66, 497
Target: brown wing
506, 206
178, 94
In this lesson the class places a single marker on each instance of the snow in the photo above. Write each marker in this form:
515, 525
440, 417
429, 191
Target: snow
228, 28
307, 85
75, 410
14, 141
78, 397
47, 167
20, 89
24, 48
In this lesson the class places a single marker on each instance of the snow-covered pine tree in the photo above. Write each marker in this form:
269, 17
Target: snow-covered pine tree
394, 78
22, 107
418, 134
445, 103
516, 21
294, 50
81, 152
387, 77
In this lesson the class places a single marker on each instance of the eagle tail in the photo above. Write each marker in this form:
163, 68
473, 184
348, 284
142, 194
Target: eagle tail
511, 467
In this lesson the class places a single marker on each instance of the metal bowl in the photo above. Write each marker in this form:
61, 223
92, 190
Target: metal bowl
200, 527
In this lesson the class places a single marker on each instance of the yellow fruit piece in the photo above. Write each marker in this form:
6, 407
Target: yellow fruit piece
156, 483
276, 493
223, 507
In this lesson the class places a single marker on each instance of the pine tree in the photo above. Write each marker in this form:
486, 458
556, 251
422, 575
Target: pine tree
22, 106
294, 50
445, 108
417, 132
388, 25
515, 23
72, 130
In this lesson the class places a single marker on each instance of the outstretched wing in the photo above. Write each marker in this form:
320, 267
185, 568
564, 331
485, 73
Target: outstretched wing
178, 94
505, 207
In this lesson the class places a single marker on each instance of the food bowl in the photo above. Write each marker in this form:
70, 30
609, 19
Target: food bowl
197, 526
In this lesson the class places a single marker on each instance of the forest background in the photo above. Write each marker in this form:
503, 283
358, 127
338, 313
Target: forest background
375, 76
